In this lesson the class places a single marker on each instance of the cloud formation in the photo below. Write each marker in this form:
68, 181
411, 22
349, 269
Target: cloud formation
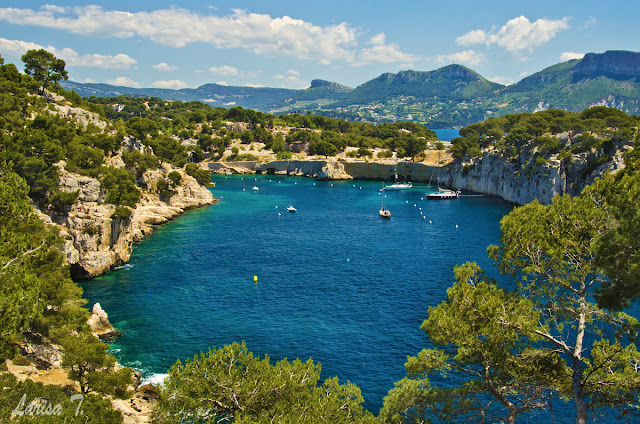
381, 52
570, 55
225, 70
173, 84
17, 48
124, 81
178, 27
164, 67
517, 35
467, 57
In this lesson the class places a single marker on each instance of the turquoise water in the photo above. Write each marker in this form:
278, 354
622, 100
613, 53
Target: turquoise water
335, 281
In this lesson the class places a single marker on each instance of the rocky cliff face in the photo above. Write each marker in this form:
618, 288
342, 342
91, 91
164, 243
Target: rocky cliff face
95, 241
518, 180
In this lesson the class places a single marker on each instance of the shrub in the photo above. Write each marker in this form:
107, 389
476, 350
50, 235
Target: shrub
121, 212
175, 177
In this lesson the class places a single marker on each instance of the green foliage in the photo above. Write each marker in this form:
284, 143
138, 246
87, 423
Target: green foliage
61, 201
44, 67
201, 175
284, 155
163, 189
121, 187
175, 177
485, 337
322, 148
618, 249
385, 154
231, 384
121, 212
89, 409
139, 163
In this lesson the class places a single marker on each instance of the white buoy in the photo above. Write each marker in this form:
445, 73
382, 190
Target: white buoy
314, 183
331, 185
407, 201
276, 207
243, 189
415, 206
354, 185
295, 183
430, 222
278, 213
456, 225
420, 208
424, 217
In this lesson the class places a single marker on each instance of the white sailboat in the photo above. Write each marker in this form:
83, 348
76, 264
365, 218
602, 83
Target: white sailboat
396, 185
442, 193
384, 213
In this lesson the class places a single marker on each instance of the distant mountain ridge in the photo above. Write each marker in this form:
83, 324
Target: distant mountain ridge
451, 96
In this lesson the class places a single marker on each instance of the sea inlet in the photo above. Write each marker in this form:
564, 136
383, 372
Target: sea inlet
335, 282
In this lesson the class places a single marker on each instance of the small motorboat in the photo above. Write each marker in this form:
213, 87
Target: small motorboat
255, 188
291, 209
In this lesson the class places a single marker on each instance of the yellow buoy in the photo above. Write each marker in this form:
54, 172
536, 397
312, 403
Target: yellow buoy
255, 278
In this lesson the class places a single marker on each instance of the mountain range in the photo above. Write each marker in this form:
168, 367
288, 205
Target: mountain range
447, 97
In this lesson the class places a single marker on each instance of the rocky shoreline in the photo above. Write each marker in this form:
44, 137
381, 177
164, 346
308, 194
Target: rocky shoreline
95, 241
517, 180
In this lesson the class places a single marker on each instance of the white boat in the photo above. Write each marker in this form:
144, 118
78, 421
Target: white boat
443, 193
291, 209
384, 213
228, 172
396, 185
255, 188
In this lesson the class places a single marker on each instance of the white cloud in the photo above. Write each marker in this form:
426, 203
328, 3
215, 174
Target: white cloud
381, 52
124, 81
570, 55
501, 80
174, 84
477, 36
177, 27
222, 83
225, 70
89, 81
517, 34
291, 81
17, 48
293, 72
591, 21
467, 57
164, 67
252, 85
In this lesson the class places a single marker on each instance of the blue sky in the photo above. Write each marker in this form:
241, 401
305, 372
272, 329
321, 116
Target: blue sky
289, 43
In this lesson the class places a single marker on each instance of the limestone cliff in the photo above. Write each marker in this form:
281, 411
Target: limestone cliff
95, 241
519, 180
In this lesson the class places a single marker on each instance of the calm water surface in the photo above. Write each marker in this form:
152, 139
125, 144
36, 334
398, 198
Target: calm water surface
335, 282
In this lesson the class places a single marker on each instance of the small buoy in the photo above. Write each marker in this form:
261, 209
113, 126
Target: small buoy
415, 206
278, 213
279, 182
348, 259
429, 221
255, 278
276, 207
420, 208
295, 183
360, 188
243, 190
354, 185
314, 183
424, 217
407, 201
242, 178
422, 198
269, 180
331, 185
456, 225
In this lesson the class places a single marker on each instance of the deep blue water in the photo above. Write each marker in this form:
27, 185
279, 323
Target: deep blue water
335, 281
447, 134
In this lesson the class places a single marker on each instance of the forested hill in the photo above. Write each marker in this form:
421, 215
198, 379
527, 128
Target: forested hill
452, 96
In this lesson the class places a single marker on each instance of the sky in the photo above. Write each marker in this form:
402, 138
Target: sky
290, 43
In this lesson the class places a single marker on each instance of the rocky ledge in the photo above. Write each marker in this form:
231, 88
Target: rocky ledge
97, 241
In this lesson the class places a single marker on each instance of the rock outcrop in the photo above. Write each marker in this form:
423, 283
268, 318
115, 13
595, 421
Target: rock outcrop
97, 241
99, 324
